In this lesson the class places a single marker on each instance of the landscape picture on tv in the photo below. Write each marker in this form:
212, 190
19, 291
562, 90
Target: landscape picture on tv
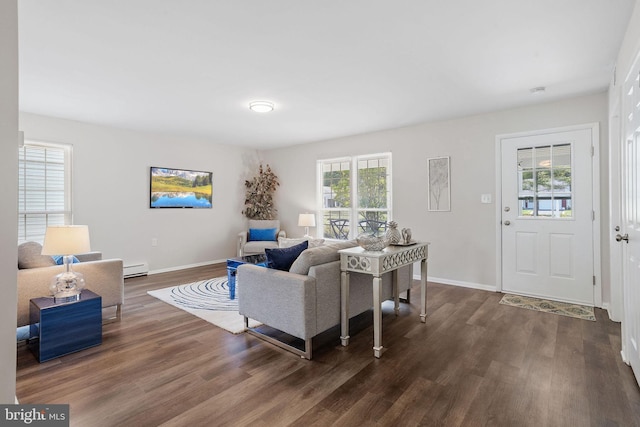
179, 188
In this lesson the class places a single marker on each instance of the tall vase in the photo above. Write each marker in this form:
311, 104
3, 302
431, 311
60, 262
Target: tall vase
393, 234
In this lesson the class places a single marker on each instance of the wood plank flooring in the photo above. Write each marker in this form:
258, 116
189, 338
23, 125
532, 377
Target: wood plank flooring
474, 363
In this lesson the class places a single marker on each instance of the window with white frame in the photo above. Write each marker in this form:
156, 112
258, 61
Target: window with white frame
354, 195
44, 188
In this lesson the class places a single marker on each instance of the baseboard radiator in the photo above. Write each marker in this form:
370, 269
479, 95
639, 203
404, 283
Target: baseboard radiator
135, 270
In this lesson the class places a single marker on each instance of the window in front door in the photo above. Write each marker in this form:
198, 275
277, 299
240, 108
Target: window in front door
544, 175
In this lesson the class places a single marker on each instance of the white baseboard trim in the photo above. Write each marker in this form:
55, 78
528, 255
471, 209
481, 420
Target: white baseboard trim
458, 283
607, 306
625, 359
183, 267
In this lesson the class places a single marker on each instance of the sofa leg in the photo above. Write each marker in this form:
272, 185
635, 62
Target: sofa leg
308, 347
115, 318
305, 354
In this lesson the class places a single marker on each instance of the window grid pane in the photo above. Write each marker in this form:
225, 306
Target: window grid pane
545, 182
336, 185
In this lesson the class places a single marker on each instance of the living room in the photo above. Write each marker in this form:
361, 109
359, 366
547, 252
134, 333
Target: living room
111, 183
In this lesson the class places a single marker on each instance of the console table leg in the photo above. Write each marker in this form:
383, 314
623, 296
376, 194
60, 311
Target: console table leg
344, 308
423, 291
396, 294
377, 317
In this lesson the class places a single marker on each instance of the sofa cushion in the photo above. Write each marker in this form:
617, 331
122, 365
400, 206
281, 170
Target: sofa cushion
319, 255
262, 234
30, 256
282, 258
251, 248
285, 242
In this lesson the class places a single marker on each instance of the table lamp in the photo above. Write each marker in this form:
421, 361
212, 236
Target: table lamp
307, 220
66, 240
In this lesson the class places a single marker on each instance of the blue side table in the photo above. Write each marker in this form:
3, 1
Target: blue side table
59, 328
232, 266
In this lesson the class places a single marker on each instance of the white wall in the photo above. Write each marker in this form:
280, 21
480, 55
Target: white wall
8, 194
111, 192
630, 44
463, 247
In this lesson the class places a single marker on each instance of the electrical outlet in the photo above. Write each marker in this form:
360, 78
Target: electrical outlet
485, 198
154, 242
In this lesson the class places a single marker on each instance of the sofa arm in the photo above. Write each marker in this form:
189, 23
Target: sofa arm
104, 277
282, 300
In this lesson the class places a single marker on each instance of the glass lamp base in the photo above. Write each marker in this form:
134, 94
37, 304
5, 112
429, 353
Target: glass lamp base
66, 287
67, 295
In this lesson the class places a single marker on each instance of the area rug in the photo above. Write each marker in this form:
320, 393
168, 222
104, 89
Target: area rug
562, 308
207, 299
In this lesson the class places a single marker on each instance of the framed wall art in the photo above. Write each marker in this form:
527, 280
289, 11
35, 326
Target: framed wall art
180, 188
438, 173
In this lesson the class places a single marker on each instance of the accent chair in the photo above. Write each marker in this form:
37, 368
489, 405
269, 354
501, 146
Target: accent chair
260, 234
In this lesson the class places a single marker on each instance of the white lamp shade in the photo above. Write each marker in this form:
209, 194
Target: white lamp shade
66, 240
307, 220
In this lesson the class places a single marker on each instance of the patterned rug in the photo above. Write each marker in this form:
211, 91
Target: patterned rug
207, 299
562, 308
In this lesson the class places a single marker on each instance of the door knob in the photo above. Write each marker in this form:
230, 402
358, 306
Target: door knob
507, 222
620, 238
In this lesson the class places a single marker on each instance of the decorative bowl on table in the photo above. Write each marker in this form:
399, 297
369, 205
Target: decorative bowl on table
372, 243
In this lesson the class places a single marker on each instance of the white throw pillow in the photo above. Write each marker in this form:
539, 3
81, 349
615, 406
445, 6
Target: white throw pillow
285, 242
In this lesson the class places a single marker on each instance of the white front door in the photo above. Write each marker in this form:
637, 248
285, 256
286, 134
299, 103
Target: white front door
630, 233
547, 215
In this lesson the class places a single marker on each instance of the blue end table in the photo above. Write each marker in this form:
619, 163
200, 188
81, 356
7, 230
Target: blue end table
59, 328
232, 266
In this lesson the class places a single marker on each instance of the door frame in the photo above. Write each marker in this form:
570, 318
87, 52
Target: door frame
595, 194
615, 304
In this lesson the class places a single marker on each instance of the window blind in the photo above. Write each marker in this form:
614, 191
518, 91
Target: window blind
43, 189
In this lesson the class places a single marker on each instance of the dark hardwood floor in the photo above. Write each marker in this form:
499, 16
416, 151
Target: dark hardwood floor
474, 363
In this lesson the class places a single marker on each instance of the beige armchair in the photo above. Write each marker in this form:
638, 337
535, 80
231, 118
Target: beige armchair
265, 235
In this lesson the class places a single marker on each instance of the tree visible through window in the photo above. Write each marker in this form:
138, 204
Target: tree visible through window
356, 195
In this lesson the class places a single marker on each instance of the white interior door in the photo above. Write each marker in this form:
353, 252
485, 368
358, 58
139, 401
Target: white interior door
547, 215
630, 232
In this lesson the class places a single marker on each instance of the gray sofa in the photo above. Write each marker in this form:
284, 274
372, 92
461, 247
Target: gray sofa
305, 301
35, 271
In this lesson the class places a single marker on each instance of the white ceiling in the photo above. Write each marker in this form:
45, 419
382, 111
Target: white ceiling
332, 67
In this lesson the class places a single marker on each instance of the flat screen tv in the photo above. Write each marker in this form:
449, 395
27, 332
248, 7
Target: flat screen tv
180, 188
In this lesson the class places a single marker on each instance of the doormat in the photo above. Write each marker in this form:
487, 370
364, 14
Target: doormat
562, 308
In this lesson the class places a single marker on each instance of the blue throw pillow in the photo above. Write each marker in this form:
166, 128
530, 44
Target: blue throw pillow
262, 234
282, 258
59, 259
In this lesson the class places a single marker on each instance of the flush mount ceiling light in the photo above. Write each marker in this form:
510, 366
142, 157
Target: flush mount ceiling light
538, 90
261, 106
